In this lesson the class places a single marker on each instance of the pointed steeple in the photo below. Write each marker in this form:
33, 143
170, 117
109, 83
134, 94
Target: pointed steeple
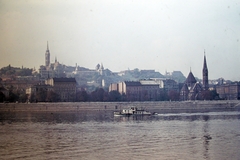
204, 62
47, 56
47, 46
205, 73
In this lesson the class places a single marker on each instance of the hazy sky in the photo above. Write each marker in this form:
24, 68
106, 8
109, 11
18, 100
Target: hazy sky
146, 34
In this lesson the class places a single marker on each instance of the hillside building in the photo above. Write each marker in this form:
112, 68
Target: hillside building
136, 91
64, 87
35, 90
229, 91
19, 85
51, 70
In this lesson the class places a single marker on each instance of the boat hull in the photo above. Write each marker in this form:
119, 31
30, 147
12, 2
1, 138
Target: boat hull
132, 111
132, 114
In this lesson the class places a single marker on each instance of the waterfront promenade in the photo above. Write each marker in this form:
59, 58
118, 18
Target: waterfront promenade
160, 106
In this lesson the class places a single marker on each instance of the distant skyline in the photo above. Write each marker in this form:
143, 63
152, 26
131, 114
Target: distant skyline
146, 34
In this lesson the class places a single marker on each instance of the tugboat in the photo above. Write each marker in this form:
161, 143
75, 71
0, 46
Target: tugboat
132, 111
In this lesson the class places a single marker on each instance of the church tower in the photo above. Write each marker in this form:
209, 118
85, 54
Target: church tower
47, 57
205, 74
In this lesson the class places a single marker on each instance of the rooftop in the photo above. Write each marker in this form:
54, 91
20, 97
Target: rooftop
64, 79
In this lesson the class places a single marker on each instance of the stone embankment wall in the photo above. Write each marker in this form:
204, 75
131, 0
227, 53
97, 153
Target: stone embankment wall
162, 107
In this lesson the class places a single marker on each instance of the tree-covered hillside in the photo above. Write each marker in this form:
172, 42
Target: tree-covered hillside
15, 71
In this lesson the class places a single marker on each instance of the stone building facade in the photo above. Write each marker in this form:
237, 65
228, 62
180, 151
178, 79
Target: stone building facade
167, 85
136, 91
229, 91
65, 87
19, 85
34, 90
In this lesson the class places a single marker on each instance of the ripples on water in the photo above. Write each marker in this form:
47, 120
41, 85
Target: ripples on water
100, 135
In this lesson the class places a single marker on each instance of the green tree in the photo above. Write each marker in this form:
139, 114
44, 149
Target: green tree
14, 71
173, 95
82, 96
32, 98
24, 72
215, 95
124, 97
22, 97
206, 95
13, 97
115, 96
163, 96
52, 96
99, 95
7, 70
41, 95
2, 97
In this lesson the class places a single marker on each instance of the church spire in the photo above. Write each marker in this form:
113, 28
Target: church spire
205, 73
47, 46
204, 62
47, 56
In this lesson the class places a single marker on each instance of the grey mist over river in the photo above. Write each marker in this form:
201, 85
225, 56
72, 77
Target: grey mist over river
97, 134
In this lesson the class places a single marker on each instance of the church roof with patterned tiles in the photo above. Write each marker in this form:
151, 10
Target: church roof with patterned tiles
190, 79
196, 88
184, 88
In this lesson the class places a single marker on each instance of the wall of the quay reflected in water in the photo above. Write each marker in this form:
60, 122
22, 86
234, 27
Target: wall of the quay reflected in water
107, 116
99, 135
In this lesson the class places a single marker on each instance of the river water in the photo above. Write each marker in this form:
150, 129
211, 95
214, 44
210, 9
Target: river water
99, 135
